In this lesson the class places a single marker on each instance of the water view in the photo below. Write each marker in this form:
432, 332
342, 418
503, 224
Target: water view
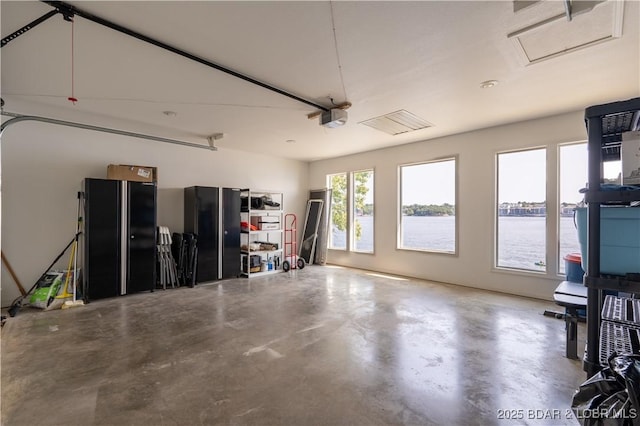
521, 242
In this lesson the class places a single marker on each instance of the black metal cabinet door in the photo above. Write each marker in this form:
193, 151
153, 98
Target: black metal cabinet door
208, 229
102, 243
141, 260
231, 232
201, 217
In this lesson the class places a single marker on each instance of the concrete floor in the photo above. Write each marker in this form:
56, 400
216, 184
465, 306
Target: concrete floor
328, 346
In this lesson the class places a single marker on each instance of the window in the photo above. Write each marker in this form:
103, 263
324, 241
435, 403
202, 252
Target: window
573, 177
428, 213
352, 191
612, 172
363, 211
521, 210
338, 216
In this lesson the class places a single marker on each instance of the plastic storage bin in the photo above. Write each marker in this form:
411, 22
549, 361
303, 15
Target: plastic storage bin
619, 239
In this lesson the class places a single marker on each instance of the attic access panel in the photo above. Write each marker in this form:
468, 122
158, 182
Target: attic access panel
555, 35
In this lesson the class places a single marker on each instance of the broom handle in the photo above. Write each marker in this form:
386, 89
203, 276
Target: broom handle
75, 271
13, 275
65, 290
75, 257
61, 254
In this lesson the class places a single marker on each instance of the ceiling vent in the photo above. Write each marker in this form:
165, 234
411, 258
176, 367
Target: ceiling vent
397, 122
581, 24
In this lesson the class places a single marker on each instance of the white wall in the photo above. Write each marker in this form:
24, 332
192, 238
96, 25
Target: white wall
43, 166
473, 266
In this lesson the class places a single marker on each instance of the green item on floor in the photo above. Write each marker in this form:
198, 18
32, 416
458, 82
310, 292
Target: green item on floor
47, 288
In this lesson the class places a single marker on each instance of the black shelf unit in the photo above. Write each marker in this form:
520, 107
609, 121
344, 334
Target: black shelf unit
605, 125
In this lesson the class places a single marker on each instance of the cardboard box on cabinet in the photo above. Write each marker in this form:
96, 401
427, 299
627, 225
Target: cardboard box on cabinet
132, 172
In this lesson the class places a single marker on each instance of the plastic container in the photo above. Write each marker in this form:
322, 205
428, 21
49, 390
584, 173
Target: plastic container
573, 267
619, 239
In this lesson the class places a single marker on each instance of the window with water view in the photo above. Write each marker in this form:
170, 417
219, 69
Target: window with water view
522, 210
573, 177
428, 206
353, 189
363, 211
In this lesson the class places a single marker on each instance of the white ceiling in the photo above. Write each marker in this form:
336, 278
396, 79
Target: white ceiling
427, 57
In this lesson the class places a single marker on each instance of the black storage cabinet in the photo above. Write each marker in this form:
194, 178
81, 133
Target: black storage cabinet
207, 210
119, 237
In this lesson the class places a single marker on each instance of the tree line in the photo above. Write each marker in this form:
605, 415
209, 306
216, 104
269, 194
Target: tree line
429, 210
416, 210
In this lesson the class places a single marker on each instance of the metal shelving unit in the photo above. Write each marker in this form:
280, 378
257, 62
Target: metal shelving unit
270, 238
605, 125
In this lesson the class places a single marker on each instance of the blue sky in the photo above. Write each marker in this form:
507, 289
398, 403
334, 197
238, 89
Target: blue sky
430, 183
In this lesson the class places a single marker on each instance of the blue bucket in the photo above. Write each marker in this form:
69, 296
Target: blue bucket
573, 267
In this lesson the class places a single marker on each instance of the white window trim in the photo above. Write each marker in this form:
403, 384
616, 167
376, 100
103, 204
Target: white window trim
559, 202
495, 266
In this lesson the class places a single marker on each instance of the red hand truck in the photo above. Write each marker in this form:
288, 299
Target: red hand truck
292, 261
